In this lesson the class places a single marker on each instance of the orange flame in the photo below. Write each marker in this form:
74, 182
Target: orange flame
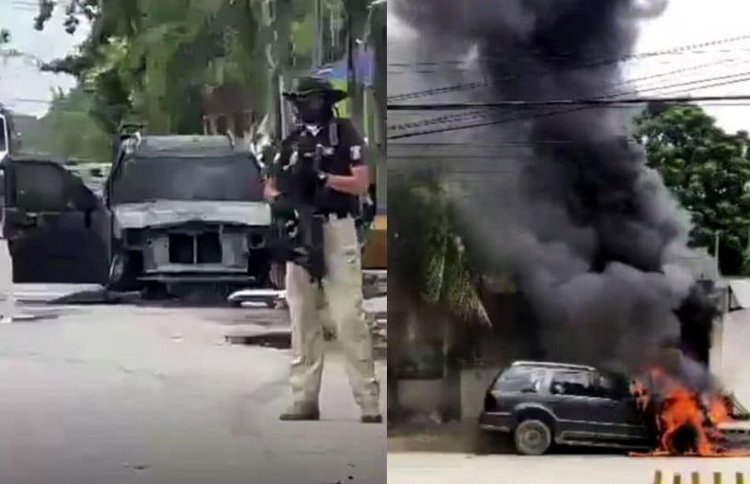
686, 422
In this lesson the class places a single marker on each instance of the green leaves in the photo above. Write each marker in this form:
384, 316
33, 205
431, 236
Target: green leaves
708, 170
152, 59
428, 258
67, 131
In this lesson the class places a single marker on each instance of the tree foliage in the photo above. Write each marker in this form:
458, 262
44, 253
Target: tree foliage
153, 59
709, 172
68, 132
428, 258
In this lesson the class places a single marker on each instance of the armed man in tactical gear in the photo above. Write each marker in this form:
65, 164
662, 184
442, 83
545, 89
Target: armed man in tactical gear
314, 187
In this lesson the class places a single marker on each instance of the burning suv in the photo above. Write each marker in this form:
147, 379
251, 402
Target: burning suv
543, 403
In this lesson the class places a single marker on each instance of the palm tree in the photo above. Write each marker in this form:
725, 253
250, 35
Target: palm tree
433, 288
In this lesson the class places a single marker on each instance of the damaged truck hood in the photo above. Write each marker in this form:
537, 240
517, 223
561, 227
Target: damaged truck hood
169, 212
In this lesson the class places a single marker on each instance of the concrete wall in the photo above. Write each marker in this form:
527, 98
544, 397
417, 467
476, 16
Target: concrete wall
735, 338
421, 396
474, 384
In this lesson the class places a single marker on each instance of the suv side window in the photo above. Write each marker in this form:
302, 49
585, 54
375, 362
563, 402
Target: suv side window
611, 386
521, 379
573, 383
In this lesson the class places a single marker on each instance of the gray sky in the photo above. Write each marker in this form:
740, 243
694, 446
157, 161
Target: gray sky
685, 22
22, 87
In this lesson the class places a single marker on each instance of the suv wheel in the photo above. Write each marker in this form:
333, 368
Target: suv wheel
532, 437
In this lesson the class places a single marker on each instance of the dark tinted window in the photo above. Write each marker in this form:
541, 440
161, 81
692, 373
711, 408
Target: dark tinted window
570, 382
612, 386
39, 187
48, 187
228, 178
521, 379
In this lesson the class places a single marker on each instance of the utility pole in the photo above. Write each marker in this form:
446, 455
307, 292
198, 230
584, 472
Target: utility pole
356, 13
716, 252
318, 54
279, 14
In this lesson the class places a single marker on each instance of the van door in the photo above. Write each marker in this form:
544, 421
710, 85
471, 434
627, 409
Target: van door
55, 225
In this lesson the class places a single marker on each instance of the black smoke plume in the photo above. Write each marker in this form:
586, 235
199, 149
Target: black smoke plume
591, 234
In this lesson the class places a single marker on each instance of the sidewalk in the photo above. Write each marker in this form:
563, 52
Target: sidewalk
441, 468
454, 437
42, 293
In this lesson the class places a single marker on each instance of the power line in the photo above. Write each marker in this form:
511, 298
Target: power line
590, 65
513, 56
566, 102
484, 145
438, 157
465, 71
27, 3
522, 118
474, 70
24, 9
25, 6
484, 113
718, 84
489, 123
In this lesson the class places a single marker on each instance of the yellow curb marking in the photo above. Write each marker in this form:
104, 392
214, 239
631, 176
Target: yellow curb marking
695, 478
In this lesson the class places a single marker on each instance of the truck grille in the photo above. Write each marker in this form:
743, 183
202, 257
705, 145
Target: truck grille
203, 248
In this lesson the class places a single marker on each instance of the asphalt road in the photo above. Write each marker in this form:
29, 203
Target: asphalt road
435, 468
119, 394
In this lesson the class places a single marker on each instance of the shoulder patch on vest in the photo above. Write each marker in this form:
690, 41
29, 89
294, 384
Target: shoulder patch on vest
356, 152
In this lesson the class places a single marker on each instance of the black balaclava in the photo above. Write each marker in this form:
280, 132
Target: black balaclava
313, 109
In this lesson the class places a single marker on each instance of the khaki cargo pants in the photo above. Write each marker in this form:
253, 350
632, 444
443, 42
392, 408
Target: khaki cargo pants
342, 293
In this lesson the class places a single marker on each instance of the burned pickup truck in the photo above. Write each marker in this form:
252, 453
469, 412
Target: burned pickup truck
175, 211
186, 210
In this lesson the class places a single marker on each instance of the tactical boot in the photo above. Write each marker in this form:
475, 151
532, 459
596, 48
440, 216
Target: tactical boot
375, 419
371, 412
301, 412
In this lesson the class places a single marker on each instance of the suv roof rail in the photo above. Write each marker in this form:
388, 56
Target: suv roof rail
552, 364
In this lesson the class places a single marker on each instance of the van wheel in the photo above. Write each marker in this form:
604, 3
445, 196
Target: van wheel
532, 437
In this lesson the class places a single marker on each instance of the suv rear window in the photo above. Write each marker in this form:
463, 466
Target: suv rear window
521, 379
